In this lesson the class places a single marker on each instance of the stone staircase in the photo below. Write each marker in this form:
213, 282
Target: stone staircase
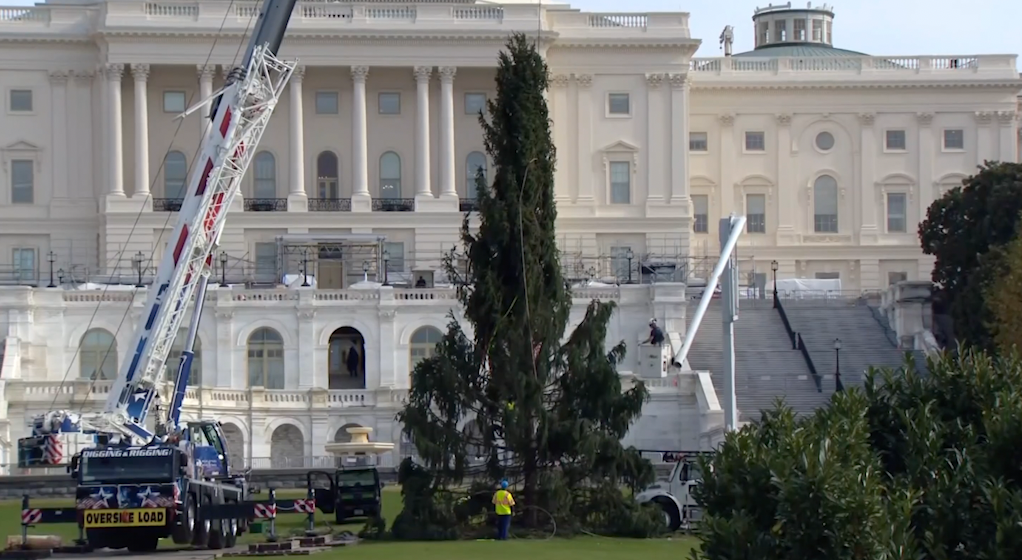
863, 341
766, 366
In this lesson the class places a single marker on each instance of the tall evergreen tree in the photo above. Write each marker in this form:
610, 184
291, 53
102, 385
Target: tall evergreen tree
546, 415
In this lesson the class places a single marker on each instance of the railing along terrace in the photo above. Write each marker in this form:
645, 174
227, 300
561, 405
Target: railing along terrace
947, 66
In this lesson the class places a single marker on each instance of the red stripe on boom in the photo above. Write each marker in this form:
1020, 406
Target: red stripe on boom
226, 123
205, 178
180, 244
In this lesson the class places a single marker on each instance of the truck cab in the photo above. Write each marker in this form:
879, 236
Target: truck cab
674, 496
353, 493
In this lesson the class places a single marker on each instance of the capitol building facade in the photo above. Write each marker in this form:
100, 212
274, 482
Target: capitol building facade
328, 288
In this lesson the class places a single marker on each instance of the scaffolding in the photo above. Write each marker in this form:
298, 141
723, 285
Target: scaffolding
327, 261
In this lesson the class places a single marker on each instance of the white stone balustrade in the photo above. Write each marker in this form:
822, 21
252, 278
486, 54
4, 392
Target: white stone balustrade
870, 67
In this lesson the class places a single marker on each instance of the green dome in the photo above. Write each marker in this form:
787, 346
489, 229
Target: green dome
799, 50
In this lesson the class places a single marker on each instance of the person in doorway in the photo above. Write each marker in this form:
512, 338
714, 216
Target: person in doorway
352, 363
503, 501
656, 335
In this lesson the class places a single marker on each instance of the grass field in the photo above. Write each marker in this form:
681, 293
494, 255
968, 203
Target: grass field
585, 548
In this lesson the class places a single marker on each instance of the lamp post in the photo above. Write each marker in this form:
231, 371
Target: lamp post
223, 269
386, 267
365, 271
629, 255
305, 267
838, 386
137, 261
591, 273
773, 268
52, 259
60, 276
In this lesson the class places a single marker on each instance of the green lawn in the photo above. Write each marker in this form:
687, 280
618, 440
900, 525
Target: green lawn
584, 548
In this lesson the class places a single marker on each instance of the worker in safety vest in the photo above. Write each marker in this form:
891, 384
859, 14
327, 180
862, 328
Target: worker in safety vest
502, 503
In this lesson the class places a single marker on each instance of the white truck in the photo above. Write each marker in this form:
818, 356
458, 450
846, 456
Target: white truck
674, 495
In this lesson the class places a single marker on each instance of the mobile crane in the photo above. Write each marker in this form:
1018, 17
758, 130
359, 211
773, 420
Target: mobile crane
140, 484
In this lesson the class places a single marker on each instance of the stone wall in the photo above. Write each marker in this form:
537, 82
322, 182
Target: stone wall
62, 486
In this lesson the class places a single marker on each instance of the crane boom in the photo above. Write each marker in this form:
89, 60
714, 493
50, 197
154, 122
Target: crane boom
239, 113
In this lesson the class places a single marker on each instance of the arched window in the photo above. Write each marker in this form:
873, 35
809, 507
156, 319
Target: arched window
390, 175
97, 355
423, 344
266, 359
327, 173
264, 184
175, 175
174, 359
475, 162
825, 205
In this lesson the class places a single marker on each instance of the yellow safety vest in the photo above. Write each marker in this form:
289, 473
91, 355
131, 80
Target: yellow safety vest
502, 502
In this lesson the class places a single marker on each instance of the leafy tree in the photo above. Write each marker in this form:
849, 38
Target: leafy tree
959, 229
1004, 297
920, 468
546, 415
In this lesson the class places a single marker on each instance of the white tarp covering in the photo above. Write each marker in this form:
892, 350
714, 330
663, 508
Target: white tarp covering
808, 287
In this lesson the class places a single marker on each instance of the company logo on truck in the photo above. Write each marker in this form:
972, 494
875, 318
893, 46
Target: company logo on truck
121, 453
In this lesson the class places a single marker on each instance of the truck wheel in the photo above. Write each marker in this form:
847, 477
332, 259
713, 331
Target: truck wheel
217, 528
339, 517
232, 532
143, 544
672, 517
200, 535
184, 531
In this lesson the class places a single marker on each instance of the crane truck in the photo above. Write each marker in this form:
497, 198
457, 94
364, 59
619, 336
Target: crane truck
149, 475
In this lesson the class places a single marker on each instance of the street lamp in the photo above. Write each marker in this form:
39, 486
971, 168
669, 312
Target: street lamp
838, 386
386, 267
223, 269
305, 267
591, 273
52, 259
773, 268
365, 271
629, 255
60, 276
137, 261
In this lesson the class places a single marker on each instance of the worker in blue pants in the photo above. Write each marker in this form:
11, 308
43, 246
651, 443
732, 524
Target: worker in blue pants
503, 501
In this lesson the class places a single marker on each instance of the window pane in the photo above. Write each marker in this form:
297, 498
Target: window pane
697, 142
22, 181
390, 103
175, 173
895, 140
618, 104
475, 162
474, 103
954, 139
700, 211
755, 142
390, 175
21, 100
265, 182
266, 262
174, 102
24, 264
326, 103
619, 261
896, 210
620, 186
755, 213
396, 256
825, 204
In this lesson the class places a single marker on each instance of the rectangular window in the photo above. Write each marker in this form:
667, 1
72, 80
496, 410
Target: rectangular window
894, 140
817, 30
954, 139
618, 104
174, 102
700, 213
780, 31
897, 204
755, 213
24, 265
390, 103
475, 103
20, 101
266, 263
327, 103
698, 142
396, 256
895, 277
22, 181
800, 30
619, 262
755, 141
828, 275
620, 182
764, 33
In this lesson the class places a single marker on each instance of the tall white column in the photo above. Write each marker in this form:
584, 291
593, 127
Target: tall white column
205, 74
83, 142
657, 154
360, 198
927, 146
787, 198
422, 183
141, 75
447, 150
297, 114
60, 130
560, 120
679, 140
583, 141
115, 145
1007, 147
868, 201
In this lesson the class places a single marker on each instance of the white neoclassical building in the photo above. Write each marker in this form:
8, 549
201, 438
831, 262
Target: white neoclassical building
365, 173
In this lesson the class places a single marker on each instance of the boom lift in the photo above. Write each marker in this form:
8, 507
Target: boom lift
150, 476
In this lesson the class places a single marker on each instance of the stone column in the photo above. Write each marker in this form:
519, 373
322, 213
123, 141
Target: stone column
559, 123
422, 183
297, 195
205, 74
583, 138
85, 119
59, 129
115, 144
868, 203
447, 148
361, 200
925, 150
728, 150
656, 152
141, 74
787, 191
1008, 148
679, 140
986, 141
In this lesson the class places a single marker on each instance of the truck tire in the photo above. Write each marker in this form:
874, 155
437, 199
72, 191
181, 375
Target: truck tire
184, 532
232, 532
217, 528
200, 535
672, 517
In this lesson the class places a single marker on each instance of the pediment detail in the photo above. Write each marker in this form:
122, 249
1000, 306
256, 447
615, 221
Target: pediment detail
620, 146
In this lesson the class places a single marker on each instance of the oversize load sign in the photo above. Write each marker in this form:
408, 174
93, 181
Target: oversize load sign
153, 517
119, 453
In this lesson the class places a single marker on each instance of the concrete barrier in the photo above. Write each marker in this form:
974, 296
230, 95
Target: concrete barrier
63, 486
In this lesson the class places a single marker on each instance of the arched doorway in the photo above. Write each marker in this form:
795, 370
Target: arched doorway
287, 447
346, 359
235, 441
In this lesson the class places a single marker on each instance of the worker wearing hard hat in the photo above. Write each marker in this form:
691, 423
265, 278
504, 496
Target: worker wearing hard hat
656, 335
503, 501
